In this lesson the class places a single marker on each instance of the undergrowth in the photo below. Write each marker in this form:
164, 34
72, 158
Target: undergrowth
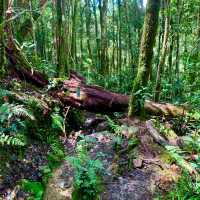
185, 189
22, 122
87, 178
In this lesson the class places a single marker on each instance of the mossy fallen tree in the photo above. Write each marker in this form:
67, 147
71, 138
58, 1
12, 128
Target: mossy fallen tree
76, 93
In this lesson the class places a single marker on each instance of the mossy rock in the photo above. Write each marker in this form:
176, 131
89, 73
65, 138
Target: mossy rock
60, 185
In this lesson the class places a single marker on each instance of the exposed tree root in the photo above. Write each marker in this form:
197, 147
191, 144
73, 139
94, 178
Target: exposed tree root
160, 140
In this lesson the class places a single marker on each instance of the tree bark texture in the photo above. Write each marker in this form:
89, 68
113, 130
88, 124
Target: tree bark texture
146, 50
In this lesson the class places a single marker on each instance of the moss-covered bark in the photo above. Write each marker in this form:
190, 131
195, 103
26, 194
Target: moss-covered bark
62, 67
162, 55
146, 50
2, 49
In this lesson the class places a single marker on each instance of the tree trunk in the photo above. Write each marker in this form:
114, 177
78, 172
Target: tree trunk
2, 46
131, 63
20, 66
103, 6
162, 56
98, 57
60, 41
179, 7
119, 63
74, 34
88, 27
146, 50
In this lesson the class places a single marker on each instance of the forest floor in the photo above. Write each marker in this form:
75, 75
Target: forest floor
137, 173
136, 168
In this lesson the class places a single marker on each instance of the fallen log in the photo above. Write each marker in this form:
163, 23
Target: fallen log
75, 92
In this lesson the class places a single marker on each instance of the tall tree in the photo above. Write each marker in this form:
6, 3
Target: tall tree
146, 50
129, 34
74, 33
88, 26
103, 8
60, 40
96, 33
119, 54
163, 53
2, 49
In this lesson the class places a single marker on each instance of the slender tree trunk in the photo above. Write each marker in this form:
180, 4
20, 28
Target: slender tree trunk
161, 33
119, 63
88, 27
96, 35
33, 28
74, 34
131, 63
179, 6
113, 36
103, 6
146, 50
62, 67
2, 47
171, 48
81, 39
162, 56
59, 35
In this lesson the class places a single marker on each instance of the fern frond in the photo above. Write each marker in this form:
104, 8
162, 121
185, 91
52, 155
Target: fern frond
57, 121
4, 92
10, 140
20, 111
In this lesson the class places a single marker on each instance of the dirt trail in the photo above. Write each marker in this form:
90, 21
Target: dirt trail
137, 174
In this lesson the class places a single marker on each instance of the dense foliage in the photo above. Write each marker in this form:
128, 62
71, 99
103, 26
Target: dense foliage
150, 46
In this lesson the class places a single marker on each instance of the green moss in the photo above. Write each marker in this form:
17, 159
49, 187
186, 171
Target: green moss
166, 157
66, 93
146, 51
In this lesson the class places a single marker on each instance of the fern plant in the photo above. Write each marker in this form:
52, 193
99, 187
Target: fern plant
12, 124
10, 140
58, 121
34, 187
185, 189
114, 126
87, 179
